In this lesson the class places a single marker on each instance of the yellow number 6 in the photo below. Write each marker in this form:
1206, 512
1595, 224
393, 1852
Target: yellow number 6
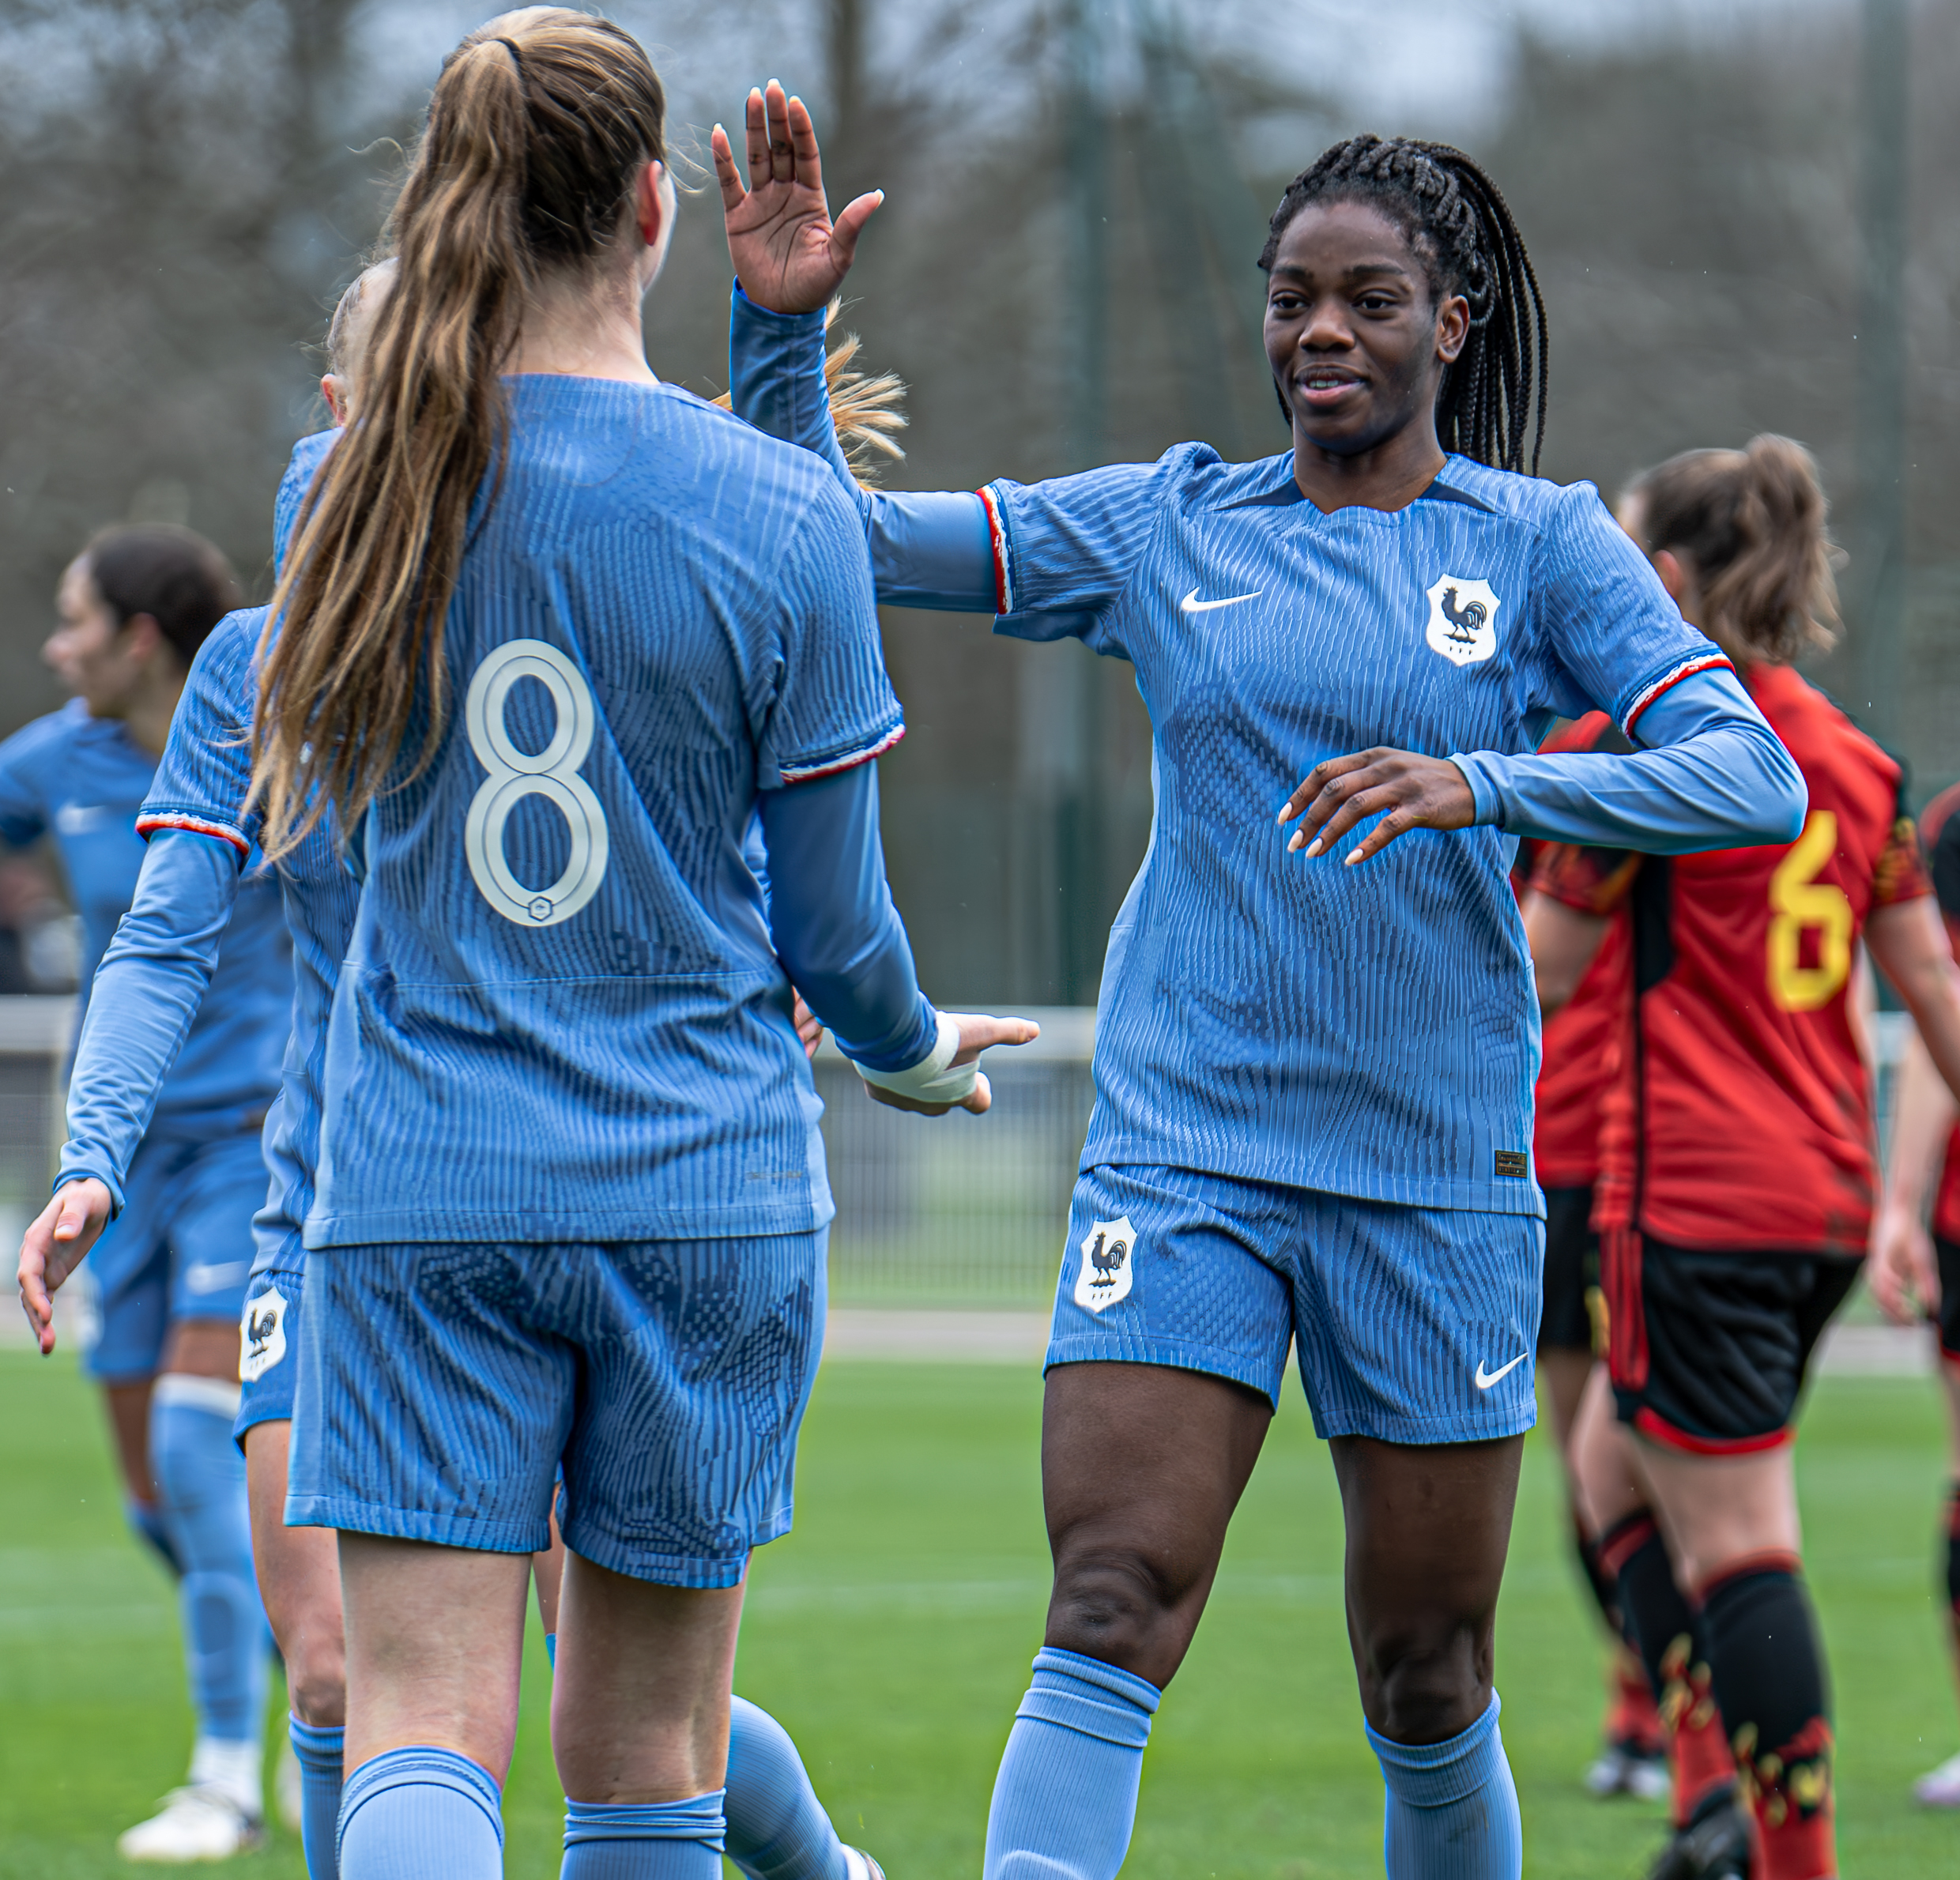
1797, 900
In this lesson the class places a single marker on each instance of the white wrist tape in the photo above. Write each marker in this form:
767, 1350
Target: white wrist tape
932, 1081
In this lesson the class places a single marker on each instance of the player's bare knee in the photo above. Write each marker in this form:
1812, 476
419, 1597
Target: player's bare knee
1429, 1679
316, 1687
1112, 1604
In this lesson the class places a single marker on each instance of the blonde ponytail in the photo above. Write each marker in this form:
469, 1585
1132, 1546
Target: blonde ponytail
538, 127
1754, 525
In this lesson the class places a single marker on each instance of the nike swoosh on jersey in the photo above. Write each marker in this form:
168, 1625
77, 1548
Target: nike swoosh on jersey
1191, 604
1484, 1382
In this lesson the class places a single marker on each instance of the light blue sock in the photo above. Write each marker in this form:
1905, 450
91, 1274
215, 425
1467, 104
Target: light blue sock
1065, 1799
319, 1747
200, 1491
777, 1829
420, 1813
551, 1649
1452, 1807
670, 1841
147, 1523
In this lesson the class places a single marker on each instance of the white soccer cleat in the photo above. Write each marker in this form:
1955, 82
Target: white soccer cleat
860, 1865
195, 1824
1939, 1787
1619, 1772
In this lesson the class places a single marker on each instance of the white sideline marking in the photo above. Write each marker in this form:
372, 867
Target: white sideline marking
1876, 1351
929, 1337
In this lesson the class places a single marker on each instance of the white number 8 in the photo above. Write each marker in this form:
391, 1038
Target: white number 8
514, 774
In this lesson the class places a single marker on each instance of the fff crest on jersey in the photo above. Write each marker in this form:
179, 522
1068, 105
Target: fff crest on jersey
1109, 1251
261, 1334
1462, 620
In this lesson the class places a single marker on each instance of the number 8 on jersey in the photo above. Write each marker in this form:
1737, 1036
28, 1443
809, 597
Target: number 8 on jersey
551, 772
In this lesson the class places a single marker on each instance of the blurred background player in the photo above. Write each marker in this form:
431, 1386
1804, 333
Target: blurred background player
1576, 999
169, 1280
1265, 1161
541, 168
1914, 1274
1736, 1176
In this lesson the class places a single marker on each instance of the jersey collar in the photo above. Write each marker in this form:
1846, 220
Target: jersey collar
1282, 492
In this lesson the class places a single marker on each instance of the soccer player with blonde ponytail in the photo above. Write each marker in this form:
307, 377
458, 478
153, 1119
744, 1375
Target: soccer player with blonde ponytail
550, 638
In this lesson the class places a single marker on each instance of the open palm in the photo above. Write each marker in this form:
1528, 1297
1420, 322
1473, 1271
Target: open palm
789, 255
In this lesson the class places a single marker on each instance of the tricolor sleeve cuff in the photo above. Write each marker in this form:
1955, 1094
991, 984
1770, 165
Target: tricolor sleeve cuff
1710, 661
1003, 557
1490, 806
148, 825
934, 1080
848, 760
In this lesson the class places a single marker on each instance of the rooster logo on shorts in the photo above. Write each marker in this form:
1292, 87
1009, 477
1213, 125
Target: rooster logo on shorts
1107, 1251
261, 1334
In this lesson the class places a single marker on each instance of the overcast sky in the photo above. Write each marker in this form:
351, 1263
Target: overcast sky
1444, 63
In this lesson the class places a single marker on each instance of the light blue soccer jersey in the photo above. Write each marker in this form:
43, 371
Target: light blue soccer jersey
563, 1018
1373, 1030
202, 785
82, 779
308, 454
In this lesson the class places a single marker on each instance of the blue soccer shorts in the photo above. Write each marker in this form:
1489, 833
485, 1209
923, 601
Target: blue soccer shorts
181, 1248
440, 1384
1413, 1324
269, 1336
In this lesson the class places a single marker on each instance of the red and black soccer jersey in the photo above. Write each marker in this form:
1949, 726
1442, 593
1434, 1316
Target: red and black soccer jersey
1578, 1037
1739, 1115
1939, 837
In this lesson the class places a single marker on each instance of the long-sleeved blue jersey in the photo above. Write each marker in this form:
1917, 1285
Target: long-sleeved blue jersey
1372, 1031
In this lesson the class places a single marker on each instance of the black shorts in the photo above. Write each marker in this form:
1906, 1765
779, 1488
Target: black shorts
1709, 1351
1572, 1270
1949, 1252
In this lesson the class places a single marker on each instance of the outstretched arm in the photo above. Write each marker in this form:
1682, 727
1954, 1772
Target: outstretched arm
145, 994
932, 549
841, 942
1715, 776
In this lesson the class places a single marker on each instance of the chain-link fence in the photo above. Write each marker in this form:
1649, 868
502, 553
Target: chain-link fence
948, 1212
960, 1210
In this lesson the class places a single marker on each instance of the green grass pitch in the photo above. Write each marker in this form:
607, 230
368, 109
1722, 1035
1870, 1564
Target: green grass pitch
891, 1632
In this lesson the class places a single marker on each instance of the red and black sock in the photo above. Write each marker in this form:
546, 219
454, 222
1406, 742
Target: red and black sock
1668, 1634
1604, 1588
1768, 1665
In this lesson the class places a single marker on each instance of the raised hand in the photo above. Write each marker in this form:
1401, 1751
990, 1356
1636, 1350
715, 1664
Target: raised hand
977, 1032
1417, 792
789, 255
53, 1246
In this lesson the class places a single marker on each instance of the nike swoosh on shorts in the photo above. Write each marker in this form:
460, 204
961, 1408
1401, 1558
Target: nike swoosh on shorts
1484, 1382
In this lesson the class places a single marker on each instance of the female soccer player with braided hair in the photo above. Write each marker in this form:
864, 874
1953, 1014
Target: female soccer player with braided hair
1312, 1077
571, 1196
1736, 1176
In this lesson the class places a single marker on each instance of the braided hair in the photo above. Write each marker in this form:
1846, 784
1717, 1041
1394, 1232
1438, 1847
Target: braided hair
1459, 225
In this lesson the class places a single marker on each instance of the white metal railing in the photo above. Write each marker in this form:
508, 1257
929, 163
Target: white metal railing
954, 1210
